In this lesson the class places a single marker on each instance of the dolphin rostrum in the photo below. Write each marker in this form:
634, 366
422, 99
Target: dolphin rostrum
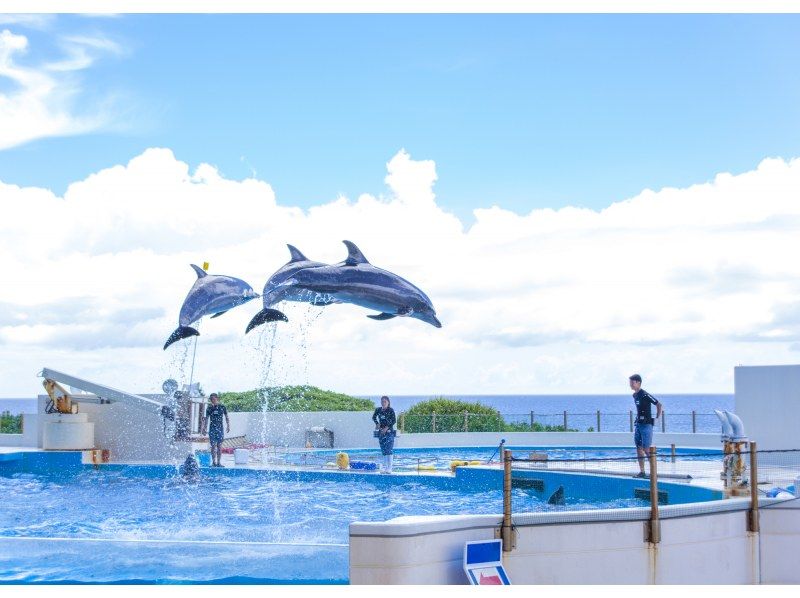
211, 294
358, 282
275, 291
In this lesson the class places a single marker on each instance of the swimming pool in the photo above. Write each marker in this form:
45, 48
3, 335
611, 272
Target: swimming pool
67, 522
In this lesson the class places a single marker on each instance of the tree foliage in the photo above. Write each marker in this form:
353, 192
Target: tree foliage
293, 398
10, 424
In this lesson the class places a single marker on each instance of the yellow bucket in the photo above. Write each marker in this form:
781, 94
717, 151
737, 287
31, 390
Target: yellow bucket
343, 461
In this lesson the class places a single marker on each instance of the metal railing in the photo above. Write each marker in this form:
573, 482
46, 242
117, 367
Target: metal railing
756, 474
694, 422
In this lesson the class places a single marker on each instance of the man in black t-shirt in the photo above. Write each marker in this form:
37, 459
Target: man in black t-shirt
643, 431
214, 414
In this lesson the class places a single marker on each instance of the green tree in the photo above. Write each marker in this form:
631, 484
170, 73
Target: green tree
450, 417
293, 398
10, 424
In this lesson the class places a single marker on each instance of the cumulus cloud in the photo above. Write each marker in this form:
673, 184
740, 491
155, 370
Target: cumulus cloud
679, 284
42, 99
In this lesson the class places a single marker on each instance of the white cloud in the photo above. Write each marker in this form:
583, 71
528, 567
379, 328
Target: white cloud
679, 284
42, 101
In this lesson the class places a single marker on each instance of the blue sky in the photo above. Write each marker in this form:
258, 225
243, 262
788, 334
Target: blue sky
526, 111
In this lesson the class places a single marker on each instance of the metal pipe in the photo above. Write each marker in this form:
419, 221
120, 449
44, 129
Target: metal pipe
694, 421
753, 519
565, 421
532, 418
630, 418
598, 420
505, 530
663, 421
655, 524
466, 421
672, 450
433, 421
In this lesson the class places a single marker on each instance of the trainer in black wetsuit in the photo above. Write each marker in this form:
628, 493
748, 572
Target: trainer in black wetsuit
643, 432
214, 414
385, 419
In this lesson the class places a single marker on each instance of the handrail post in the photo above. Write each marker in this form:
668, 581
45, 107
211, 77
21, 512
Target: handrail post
402, 423
433, 421
630, 419
672, 450
654, 525
753, 519
598, 420
532, 418
466, 421
565, 421
694, 421
663, 421
506, 532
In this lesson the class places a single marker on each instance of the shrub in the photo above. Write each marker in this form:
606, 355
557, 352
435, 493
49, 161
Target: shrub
293, 398
450, 417
10, 424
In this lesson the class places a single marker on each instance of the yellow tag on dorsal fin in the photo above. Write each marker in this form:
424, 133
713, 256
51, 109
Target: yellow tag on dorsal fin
205, 266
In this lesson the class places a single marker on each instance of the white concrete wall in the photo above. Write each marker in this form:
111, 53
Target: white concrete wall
351, 429
767, 398
706, 543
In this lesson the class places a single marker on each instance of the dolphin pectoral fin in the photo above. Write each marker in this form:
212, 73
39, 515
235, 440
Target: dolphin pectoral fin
323, 302
266, 315
180, 332
218, 314
382, 316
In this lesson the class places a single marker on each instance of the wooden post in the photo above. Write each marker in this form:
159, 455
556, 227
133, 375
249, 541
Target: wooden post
532, 420
630, 418
654, 531
565, 421
598, 420
753, 520
466, 421
506, 530
433, 421
694, 421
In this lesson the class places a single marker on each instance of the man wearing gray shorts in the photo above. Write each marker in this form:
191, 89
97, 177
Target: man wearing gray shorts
643, 430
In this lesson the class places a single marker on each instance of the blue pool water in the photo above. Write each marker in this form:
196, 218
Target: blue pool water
65, 522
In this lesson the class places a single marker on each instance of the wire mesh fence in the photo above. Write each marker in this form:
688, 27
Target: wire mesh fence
564, 421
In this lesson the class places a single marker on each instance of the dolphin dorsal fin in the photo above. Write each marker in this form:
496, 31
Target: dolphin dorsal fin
354, 255
200, 272
297, 256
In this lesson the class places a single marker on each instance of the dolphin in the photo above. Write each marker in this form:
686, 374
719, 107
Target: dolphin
557, 498
275, 291
358, 282
211, 294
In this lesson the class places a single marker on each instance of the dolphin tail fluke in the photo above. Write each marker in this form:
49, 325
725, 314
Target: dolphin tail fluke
180, 332
266, 315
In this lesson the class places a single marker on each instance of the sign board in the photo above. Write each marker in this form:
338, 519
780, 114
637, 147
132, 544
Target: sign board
483, 563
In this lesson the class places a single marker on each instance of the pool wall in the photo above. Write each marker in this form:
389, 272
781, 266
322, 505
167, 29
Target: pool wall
705, 543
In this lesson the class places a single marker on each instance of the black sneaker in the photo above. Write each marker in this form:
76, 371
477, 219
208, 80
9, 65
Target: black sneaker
641, 474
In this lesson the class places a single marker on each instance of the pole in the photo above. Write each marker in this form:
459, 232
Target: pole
466, 421
672, 450
506, 530
663, 421
753, 519
191, 372
565, 421
433, 421
598, 420
655, 525
532, 421
630, 419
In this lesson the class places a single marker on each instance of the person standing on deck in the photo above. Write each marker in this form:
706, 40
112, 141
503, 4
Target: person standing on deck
643, 434
385, 419
214, 414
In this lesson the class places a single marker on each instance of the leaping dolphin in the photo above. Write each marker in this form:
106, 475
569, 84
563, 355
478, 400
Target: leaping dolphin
358, 282
275, 291
211, 294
